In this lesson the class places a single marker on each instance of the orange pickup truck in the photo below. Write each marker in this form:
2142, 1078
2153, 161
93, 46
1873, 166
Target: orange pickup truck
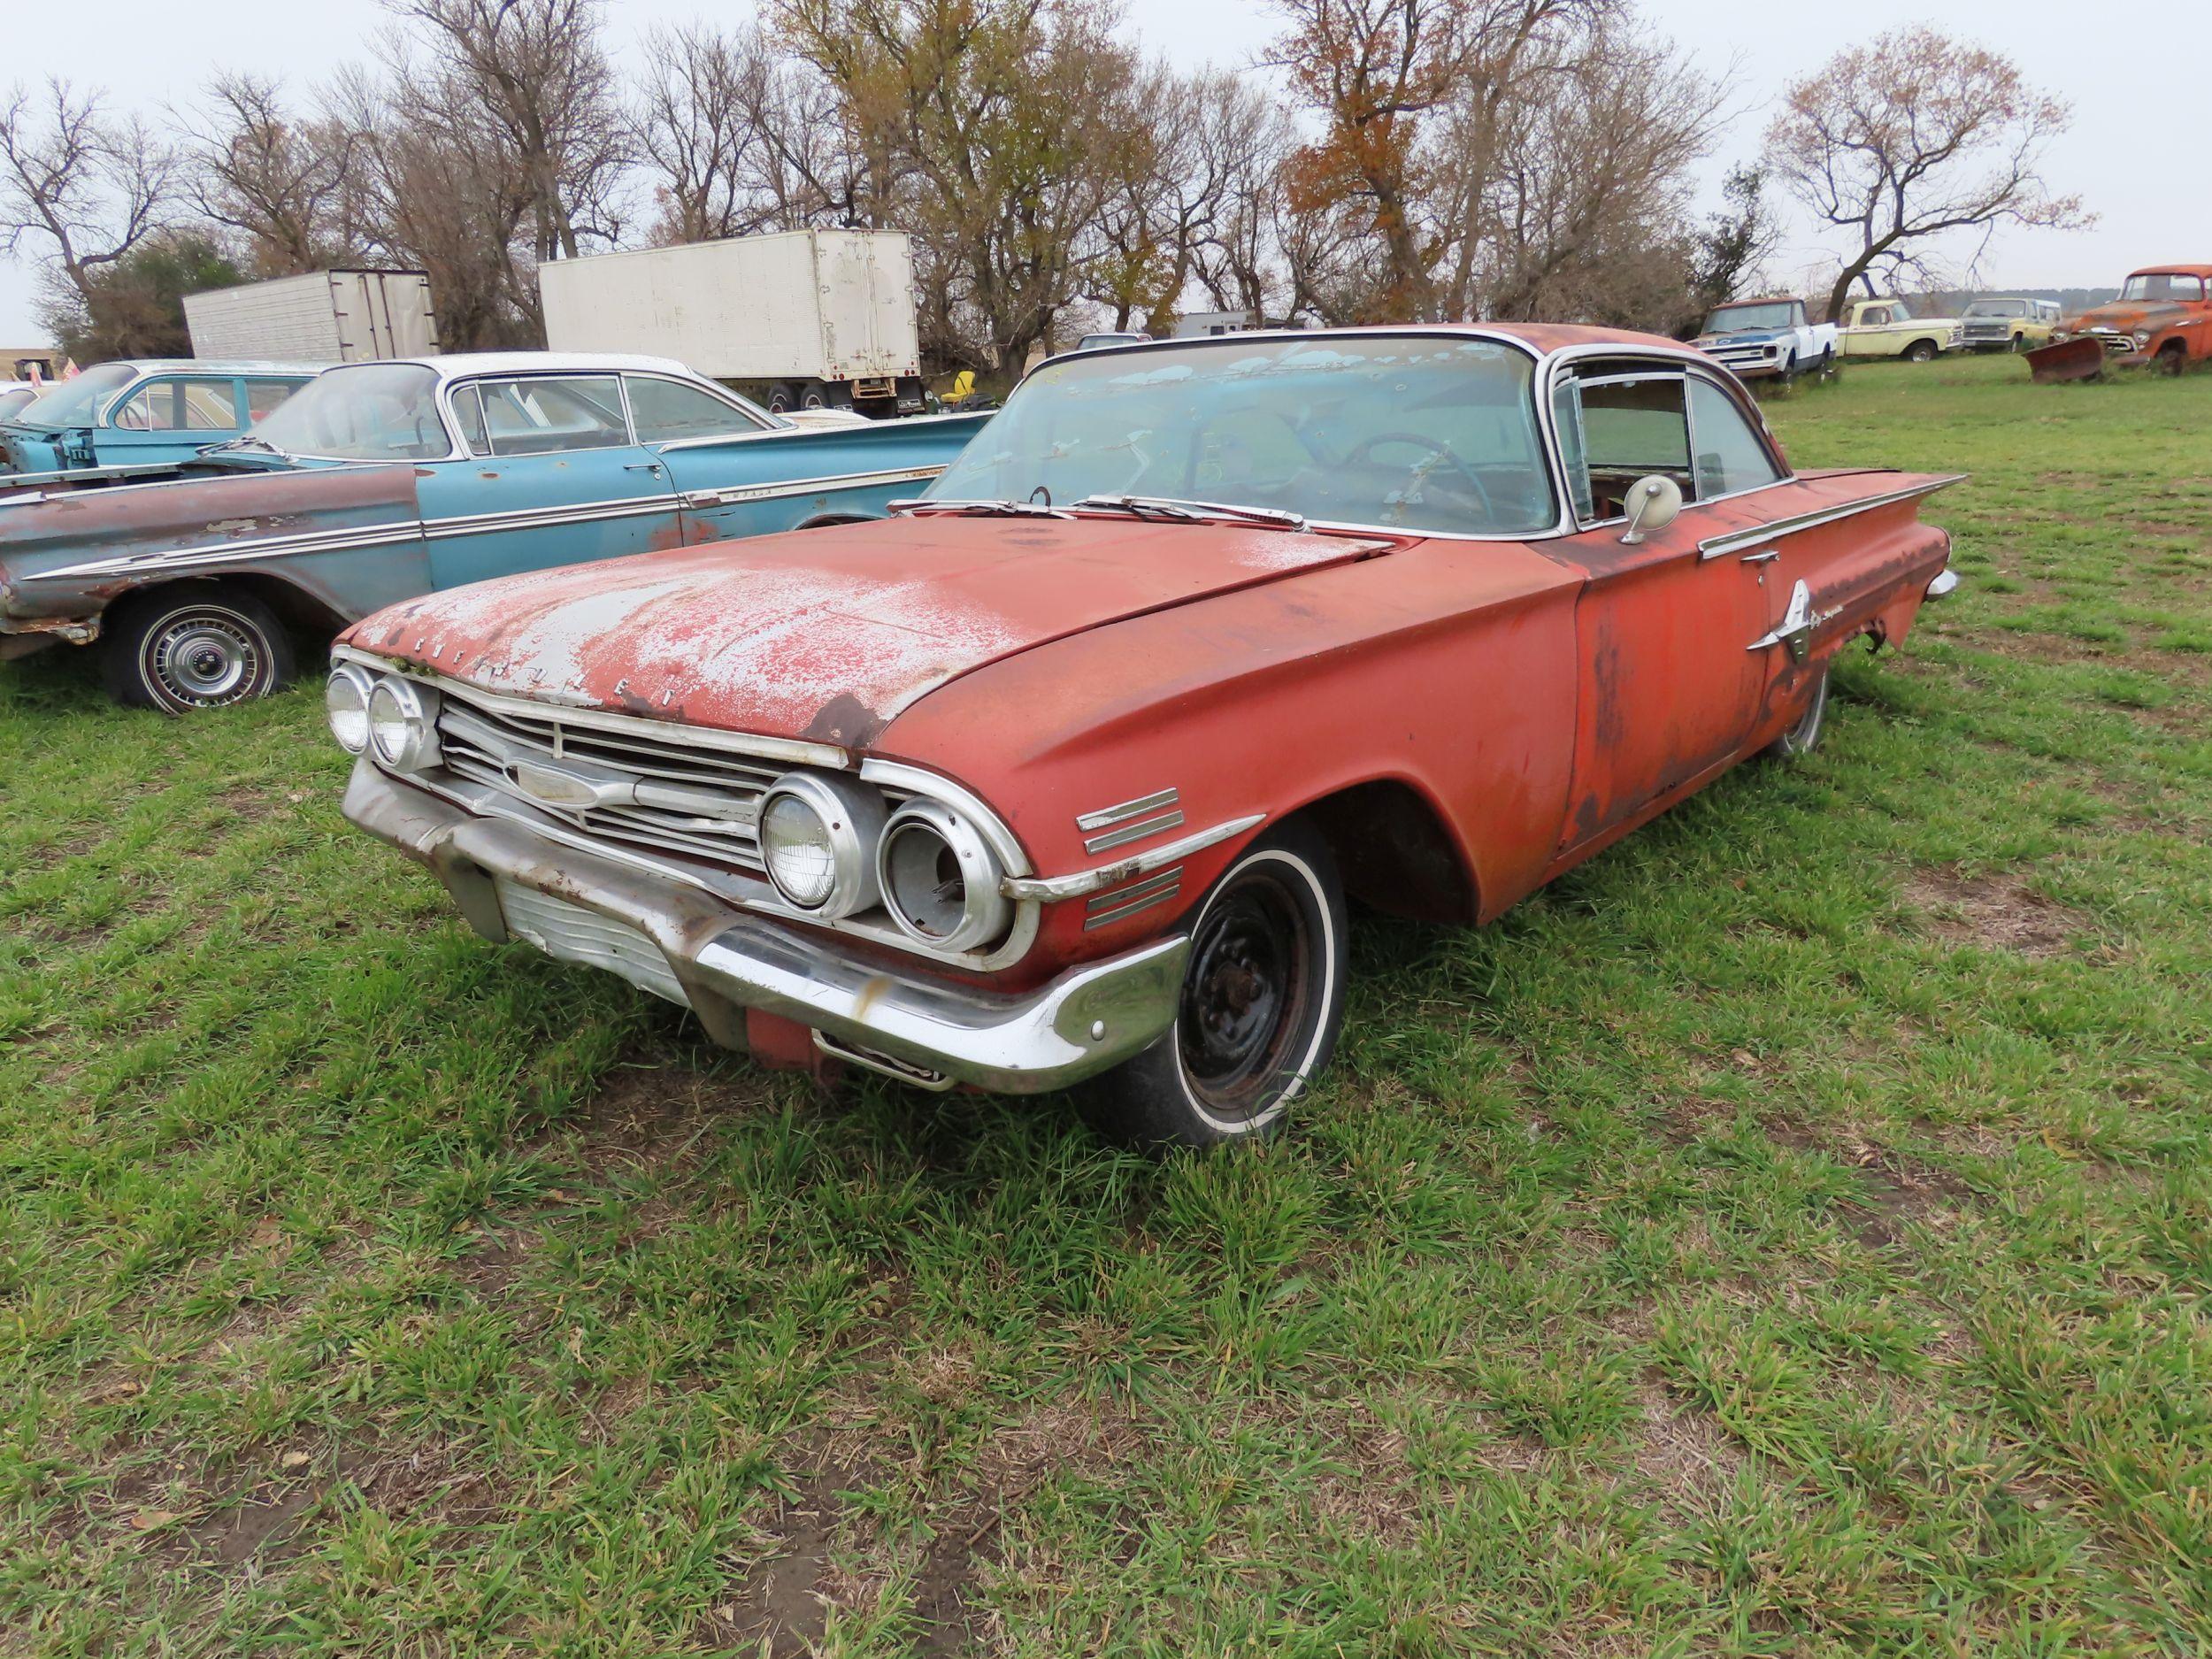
2162, 317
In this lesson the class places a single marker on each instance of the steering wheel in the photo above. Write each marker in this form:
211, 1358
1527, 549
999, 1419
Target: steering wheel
1442, 451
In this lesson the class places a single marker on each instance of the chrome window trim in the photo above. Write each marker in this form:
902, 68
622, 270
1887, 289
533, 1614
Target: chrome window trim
479, 381
1562, 526
1692, 364
759, 418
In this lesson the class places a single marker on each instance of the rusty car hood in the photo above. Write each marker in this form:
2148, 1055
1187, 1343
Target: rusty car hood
826, 635
2129, 315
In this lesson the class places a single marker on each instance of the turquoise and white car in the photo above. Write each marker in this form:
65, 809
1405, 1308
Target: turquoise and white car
382, 481
124, 420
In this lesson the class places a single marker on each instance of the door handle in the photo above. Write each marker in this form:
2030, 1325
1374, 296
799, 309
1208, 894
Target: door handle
653, 468
1767, 557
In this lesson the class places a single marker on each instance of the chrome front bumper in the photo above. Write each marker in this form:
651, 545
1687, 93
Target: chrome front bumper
721, 961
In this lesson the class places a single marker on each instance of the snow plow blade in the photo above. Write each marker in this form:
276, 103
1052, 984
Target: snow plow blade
2081, 360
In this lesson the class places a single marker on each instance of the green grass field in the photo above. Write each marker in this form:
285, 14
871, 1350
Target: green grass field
1791, 1234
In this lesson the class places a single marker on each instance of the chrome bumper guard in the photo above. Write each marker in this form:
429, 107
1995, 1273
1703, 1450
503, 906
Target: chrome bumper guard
725, 961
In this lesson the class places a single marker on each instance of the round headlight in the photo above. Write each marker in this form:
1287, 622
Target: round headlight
404, 725
346, 700
818, 842
2142, 338
941, 880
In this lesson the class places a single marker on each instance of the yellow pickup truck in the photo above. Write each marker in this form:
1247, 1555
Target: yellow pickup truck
1887, 328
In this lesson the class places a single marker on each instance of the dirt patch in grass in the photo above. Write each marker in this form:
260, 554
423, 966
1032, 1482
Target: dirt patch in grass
1680, 1451
1996, 912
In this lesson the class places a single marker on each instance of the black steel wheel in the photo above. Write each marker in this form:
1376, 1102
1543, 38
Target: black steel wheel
1804, 736
192, 650
1258, 1016
781, 399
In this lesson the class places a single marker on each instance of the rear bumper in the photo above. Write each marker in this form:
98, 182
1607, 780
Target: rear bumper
719, 961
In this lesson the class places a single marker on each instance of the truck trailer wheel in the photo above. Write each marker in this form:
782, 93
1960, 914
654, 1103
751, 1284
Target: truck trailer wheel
781, 399
190, 649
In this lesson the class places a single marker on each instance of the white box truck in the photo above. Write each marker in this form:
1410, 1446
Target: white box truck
800, 319
323, 317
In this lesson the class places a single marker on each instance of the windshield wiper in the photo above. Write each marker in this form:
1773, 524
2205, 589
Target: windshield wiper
1008, 509
1192, 511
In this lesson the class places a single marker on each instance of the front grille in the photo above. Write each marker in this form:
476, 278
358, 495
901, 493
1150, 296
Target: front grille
698, 801
2121, 343
1988, 331
573, 933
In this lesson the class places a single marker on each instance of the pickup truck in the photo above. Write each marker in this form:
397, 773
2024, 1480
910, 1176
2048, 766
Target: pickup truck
1766, 339
1887, 328
2162, 321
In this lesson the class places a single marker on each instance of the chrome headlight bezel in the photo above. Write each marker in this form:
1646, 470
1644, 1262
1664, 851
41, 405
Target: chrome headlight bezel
414, 746
348, 682
852, 816
916, 841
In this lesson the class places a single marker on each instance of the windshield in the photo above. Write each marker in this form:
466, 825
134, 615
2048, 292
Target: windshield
2160, 285
1419, 433
374, 411
1766, 314
1997, 308
77, 403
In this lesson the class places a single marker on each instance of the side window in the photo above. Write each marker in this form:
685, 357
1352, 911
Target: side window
1874, 315
1730, 455
468, 410
179, 406
667, 410
1631, 427
543, 416
1566, 416
264, 395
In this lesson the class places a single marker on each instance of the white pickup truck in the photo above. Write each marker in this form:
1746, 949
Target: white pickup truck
1767, 340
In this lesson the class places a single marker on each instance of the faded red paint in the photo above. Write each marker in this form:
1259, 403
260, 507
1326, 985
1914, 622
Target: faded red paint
1539, 699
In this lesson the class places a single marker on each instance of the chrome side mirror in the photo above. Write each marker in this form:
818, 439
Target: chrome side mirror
1653, 504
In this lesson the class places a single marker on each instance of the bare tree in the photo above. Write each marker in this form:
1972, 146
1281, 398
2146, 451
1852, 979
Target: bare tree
538, 72
440, 192
91, 187
288, 186
1585, 169
1913, 136
738, 140
996, 131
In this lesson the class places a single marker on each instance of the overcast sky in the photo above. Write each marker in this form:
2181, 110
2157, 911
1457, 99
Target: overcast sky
2136, 109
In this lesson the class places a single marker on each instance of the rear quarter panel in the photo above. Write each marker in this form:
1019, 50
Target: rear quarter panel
348, 537
766, 483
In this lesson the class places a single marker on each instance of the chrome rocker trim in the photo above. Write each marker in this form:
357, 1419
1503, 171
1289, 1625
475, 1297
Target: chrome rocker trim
726, 961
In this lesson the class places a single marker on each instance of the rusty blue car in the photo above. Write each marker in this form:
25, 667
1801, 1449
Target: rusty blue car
380, 482
139, 419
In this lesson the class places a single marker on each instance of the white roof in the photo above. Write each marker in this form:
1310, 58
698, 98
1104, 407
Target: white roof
454, 366
208, 365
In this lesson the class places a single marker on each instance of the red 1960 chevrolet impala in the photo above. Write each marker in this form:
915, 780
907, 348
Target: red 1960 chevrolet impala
1062, 776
